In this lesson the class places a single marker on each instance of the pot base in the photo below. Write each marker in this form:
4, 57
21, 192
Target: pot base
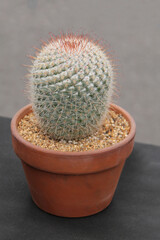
73, 216
69, 195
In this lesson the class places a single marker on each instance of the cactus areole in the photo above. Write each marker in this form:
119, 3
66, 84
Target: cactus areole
71, 87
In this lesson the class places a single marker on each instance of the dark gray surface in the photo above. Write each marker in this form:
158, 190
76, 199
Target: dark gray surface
131, 27
133, 214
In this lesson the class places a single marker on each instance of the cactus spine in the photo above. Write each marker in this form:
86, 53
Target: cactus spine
71, 87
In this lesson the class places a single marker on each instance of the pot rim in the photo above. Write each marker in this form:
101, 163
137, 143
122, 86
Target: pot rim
28, 108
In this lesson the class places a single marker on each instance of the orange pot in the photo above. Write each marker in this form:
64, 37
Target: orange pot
72, 184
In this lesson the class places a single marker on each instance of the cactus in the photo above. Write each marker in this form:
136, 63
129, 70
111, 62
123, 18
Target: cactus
71, 87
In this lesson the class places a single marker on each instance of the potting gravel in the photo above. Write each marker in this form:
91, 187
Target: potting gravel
114, 130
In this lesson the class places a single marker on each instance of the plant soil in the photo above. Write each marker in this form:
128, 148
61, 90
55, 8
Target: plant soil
114, 130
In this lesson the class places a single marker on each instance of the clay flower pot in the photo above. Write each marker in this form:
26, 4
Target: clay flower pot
72, 184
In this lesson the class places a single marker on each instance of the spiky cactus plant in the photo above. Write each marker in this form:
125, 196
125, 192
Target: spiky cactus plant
71, 87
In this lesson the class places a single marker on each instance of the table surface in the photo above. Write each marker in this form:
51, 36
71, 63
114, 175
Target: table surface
133, 214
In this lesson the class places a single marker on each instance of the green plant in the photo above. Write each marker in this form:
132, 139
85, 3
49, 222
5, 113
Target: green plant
71, 87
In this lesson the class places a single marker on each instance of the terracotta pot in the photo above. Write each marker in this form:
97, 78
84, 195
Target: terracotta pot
72, 184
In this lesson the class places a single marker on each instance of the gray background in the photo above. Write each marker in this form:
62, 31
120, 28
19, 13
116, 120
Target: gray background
131, 27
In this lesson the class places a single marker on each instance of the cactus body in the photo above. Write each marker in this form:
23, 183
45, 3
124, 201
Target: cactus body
71, 86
